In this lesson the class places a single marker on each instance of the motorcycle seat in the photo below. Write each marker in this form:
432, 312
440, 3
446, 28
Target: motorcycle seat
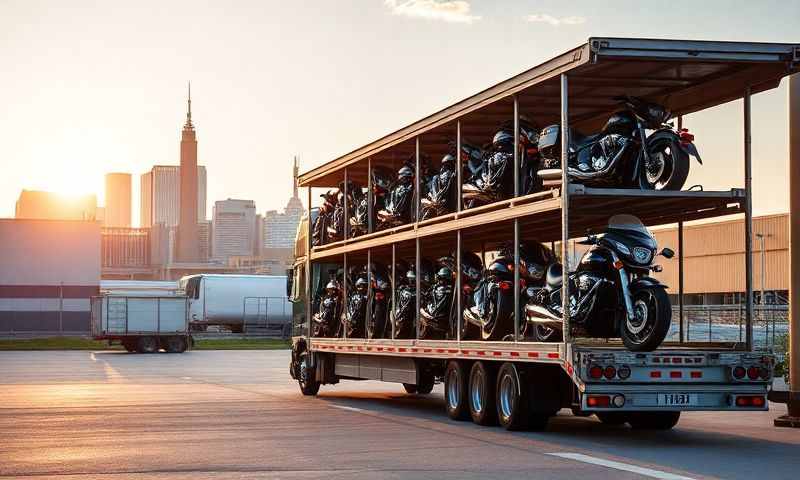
555, 276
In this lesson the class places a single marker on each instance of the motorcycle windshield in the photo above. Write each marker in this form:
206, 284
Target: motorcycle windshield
627, 222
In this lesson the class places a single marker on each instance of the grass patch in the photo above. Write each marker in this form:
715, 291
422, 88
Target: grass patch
82, 343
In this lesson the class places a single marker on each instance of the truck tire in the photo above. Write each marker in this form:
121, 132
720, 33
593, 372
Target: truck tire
410, 388
456, 390
653, 420
175, 344
481, 394
512, 399
612, 418
129, 346
307, 376
147, 345
187, 344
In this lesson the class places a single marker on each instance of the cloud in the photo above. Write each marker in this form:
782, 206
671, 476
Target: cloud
555, 21
455, 11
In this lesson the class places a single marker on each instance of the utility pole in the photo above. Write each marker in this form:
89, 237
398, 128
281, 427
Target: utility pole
792, 418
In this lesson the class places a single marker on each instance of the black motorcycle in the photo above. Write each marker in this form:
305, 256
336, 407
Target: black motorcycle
491, 313
325, 322
441, 191
355, 196
611, 292
405, 311
381, 185
494, 180
321, 233
471, 275
355, 314
398, 207
623, 155
380, 302
434, 315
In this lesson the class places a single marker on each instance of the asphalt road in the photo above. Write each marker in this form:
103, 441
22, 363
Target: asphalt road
238, 414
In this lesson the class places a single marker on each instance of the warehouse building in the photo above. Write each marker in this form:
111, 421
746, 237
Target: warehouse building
49, 270
714, 253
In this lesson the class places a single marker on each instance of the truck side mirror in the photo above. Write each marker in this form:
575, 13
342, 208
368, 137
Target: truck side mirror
289, 282
667, 253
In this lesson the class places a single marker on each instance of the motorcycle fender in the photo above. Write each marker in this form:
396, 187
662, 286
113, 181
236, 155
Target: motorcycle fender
643, 283
691, 150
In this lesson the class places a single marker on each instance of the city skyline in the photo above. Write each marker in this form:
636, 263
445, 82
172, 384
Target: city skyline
123, 118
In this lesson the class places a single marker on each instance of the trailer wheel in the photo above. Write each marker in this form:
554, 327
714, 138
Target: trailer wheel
612, 418
129, 346
307, 376
512, 399
653, 420
481, 394
456, 390
410, 388
175, 345
147, 345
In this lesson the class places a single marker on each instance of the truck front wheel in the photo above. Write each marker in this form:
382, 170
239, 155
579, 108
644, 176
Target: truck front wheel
653, 420
307, 376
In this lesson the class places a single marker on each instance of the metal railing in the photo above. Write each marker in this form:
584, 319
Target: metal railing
727, 323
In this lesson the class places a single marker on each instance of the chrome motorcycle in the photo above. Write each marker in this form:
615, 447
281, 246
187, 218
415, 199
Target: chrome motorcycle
623, 155
611, 292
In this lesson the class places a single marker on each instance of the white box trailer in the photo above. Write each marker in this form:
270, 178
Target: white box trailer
518, 381
143, 324
251, 303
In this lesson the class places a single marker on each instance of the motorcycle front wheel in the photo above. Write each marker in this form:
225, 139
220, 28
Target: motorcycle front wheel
668, 165
652, 317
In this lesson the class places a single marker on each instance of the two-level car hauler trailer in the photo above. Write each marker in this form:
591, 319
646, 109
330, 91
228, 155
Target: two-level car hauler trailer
530, 381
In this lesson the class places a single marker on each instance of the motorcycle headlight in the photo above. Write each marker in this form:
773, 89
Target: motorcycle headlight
642, 254
623, 248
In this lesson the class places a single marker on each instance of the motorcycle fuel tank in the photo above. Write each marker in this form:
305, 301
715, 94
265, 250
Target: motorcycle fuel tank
596, 259
621, 123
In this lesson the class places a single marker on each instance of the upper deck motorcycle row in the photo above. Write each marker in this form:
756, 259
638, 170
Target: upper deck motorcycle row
449, 249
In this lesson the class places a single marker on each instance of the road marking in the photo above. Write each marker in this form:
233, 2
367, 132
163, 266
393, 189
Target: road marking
349, 409
621, 466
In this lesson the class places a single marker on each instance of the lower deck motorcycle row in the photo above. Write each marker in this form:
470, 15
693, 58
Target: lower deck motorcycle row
612, 294
622, 155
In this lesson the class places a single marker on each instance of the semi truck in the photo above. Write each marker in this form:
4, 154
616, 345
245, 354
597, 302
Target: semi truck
238, 302
144, 324
515, 381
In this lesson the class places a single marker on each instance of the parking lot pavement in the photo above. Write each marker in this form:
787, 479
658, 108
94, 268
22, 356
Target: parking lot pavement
238, 414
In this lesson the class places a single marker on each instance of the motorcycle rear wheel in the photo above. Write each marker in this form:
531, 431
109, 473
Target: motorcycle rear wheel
652, 317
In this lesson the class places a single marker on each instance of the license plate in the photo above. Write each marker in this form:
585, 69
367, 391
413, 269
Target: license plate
677, 399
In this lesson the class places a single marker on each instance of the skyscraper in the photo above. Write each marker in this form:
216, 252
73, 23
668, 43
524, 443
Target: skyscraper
159, 201
118, 200
281, 228
188, 239
234, 227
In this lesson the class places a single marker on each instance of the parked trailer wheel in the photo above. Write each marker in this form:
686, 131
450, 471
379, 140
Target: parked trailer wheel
456, 390
481, 394
175, 345
129, 346
147, 345
513, 411
653, 420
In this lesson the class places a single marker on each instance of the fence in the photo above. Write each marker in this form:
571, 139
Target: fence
726, 323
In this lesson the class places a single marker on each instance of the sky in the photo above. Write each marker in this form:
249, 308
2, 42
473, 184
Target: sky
88, 88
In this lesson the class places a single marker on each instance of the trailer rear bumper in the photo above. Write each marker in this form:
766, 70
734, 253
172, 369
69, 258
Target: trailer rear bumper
694, 397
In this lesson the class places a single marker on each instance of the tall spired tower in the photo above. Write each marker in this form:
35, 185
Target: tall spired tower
188, 236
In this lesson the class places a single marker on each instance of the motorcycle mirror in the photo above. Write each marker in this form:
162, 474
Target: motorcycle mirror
667, 253
658, 268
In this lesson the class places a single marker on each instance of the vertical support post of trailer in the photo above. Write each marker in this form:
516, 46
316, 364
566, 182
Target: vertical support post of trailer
516, 220
368, 316
370, 195
394, 285
417, 259
748, 221
459, 168
565, 205
459, 288
346, 219
345, 279
308, 275
417, 181
680, 278
793, 415
417, 287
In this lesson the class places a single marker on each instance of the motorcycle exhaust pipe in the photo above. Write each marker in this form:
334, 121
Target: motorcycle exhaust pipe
541, 315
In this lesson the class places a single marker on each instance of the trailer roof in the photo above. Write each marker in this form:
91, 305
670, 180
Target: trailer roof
685, 76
